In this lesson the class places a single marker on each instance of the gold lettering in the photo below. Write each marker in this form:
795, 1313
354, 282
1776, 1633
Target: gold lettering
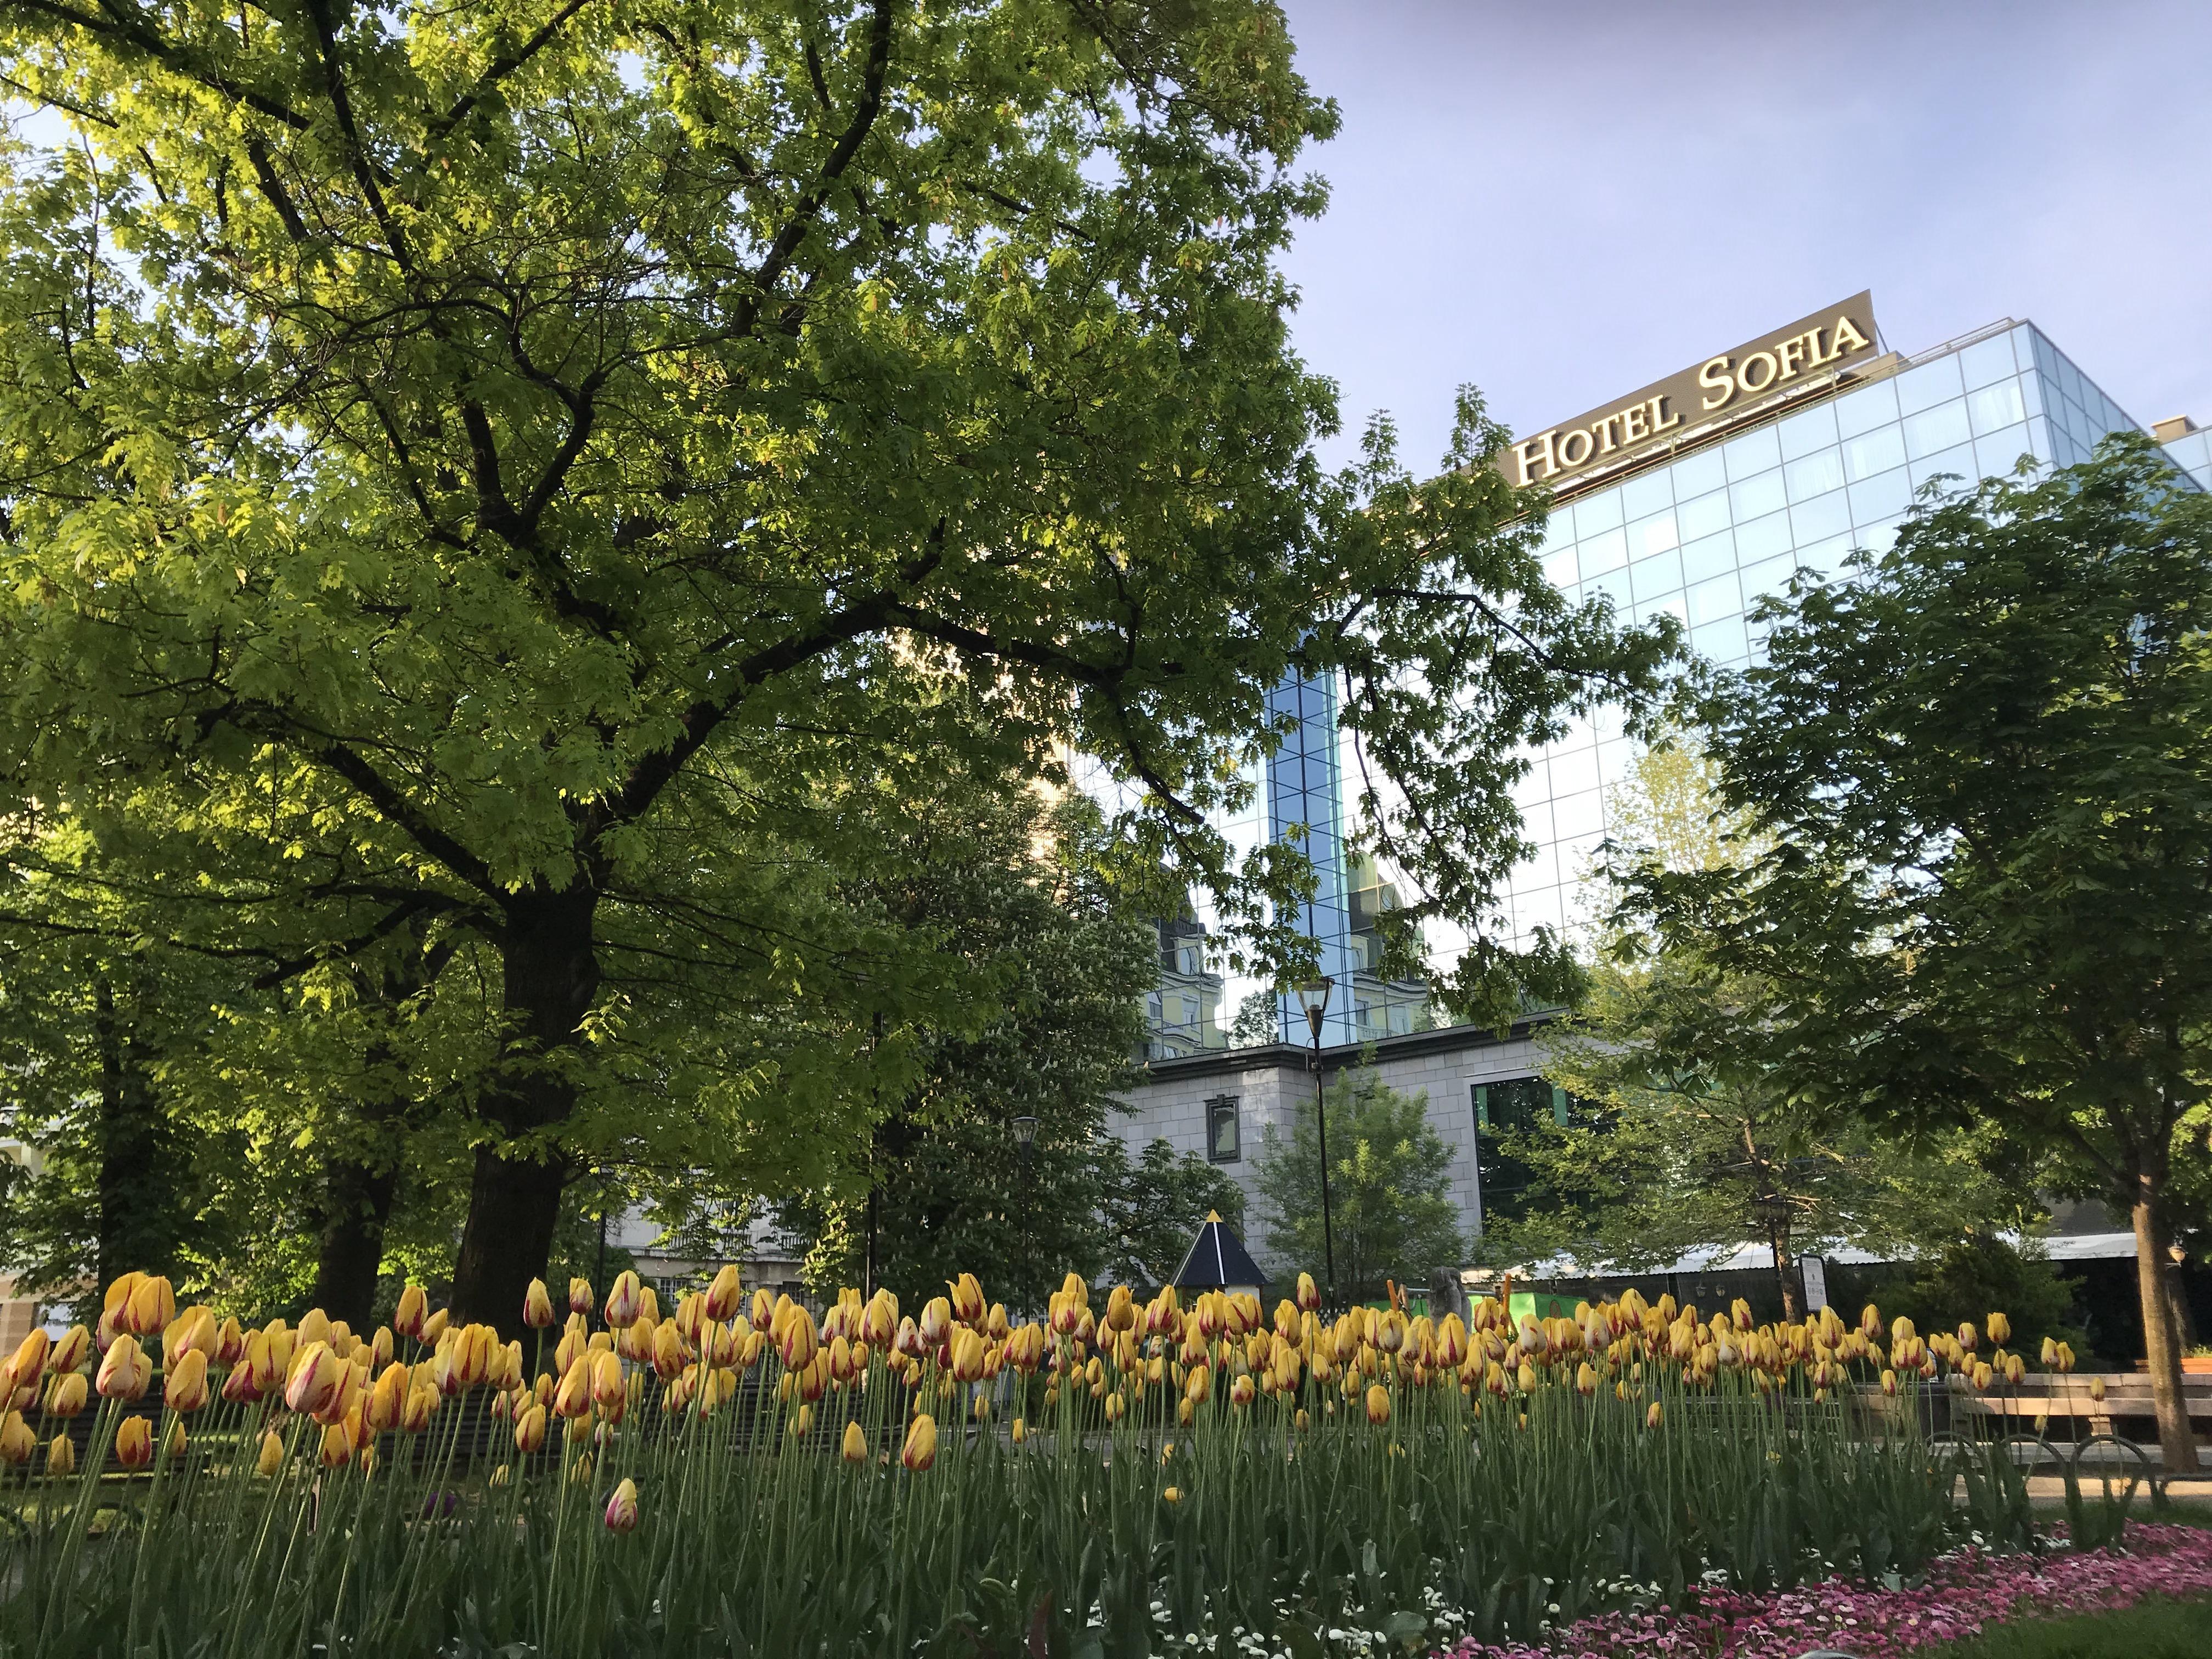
1660, 420
1567, 455
1603, 426
1634, 424
1521, 454
1790, 355
1743, 375
1848, 338
1722, 387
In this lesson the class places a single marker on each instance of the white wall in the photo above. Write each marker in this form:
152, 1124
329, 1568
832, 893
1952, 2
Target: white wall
1172, 1107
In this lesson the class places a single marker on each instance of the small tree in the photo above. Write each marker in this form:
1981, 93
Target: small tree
1689, 1138
1977, 774
1389, 1174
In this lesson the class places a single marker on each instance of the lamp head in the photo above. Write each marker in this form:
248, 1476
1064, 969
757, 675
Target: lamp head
1313, 998
1025, 1129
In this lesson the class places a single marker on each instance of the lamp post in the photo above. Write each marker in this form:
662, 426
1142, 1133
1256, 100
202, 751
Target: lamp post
1313, 998
1025, 1128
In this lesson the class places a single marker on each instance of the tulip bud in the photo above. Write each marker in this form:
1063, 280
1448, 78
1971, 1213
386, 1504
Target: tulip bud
173, 1443
1999, 1327
607, 1387
126, 1373
530, 1429
134, 1443
389, 1398
623, 1301
65, 1395
61, 1456
18, 1445
622, 1508
153, 1304
1655, 1415
337, 1449
414, 1415
271, 1457
1378, 1405
1020, 1430
414, 1309
2064, 1363
920, 1451
186, 1387
30, 1360
572, 1398
316, 1378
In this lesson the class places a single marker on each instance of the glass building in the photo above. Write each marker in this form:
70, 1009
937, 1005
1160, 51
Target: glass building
1702, 531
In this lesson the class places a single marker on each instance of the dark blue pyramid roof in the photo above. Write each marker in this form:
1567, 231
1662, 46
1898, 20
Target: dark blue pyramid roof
1217, 1257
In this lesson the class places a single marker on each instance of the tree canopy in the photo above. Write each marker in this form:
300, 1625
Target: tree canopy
1976, 773
478, 457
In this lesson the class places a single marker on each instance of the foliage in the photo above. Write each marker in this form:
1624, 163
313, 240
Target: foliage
1334, 1488
1983, 820
1258, 1021
1391, 1214
1969, 1274
1685, 1138
488, 453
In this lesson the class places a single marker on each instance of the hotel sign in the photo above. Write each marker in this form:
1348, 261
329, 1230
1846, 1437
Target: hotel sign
1812, 346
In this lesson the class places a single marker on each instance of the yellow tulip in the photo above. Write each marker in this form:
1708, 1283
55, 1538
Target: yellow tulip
1999, 1327
530, 1429
414, 1416
30, 1360
272, 1457
624, 1301
920, 1451
969, 1306
855, 1448
336, 1449
153, 1304
17, 1442
622, 1508
572, 1399
724, 1294
126, 1372
414, 1308
1378, 1405
432, 1327
537, 1305
61, 1456
1171, 1494
1654, 1415
316, 1379
173, 1443
185, 1388
1021, 1430
134, 1443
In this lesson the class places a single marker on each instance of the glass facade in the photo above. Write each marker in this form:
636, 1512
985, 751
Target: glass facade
1703, 537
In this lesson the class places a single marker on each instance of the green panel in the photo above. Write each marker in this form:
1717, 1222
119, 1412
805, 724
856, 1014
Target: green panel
1559, 1106
1482, 1107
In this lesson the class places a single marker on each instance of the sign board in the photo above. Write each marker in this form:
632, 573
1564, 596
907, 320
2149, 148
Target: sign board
1816, 1282
1813, 347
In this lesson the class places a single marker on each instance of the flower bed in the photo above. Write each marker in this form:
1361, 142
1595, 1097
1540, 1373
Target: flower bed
1963, 1592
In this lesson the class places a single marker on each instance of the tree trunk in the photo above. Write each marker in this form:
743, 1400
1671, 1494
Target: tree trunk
1785, 1274
351, 1252
137, 1218
2161, 1348
551, 976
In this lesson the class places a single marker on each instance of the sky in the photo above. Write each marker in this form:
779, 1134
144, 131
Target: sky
1561, 203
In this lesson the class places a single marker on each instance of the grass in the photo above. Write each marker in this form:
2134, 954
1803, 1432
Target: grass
2150, 1630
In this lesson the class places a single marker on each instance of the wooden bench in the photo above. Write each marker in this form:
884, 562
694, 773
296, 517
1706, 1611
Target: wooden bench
2126, 1394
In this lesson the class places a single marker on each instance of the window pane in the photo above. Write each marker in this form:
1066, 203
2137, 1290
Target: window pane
1814, 429
1942, 427
1763, 538
1929, 384
1601, 553
1995, 406
1704, 515
1598, 511
1698, 474
1756, 496
1815, 475
1709, 557
1653, 535
1709, 601
1648, 493
1874, 451
1867, 408
1824, 515
1753, 453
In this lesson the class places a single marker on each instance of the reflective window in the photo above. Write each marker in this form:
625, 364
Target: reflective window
1881, 497
1996, 455
1703, 516
1711, 600
1578, 815
1654, 578
1815, 474
1763, 538
1768, 576
1723, 640
1942, 427
1755, 496
1574, 772
1654, 535
1698, 473
1648, 494
1995, 406
1824, 515
1753, 453
1927, 386
1223, 1139
1598, 511
1709, 557
1869, 407
1560, 569
1814, 429
1986, 361
1874, 451
1958, 464
1608, 551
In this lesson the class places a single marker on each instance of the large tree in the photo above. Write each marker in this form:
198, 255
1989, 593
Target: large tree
1977, 769
537, 426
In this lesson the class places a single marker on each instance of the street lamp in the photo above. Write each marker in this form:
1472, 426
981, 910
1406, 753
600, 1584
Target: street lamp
1313, 998
1025, 1128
